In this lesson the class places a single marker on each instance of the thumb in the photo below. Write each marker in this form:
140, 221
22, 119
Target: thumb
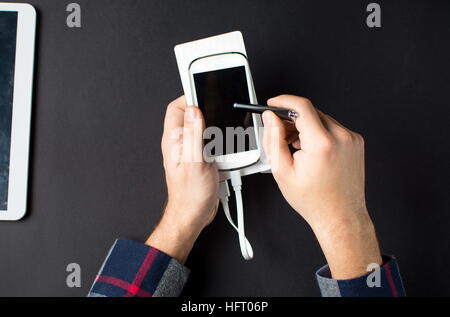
194, 125
275, 144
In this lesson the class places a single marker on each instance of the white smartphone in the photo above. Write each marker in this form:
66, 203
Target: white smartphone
217, 82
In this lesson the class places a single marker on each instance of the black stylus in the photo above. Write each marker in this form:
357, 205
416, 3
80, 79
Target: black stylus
285, 114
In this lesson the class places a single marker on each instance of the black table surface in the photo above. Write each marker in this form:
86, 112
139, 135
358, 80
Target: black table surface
100, 98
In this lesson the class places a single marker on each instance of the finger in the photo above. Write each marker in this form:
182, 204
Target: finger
297, 145
291, 131
194, 125
292, 135
275, 145
308, 122
174, 119
171, 143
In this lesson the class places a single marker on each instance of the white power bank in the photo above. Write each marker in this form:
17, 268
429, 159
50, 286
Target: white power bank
232, 42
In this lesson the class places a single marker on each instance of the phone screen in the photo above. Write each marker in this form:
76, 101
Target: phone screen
217, 91
8, 35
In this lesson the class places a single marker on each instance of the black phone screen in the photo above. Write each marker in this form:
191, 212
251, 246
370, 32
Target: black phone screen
217, 91
8, 34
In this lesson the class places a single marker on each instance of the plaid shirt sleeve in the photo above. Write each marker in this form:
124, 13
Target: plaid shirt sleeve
133, 269
390, 283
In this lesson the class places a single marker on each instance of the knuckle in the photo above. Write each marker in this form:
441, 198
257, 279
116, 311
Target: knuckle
360, 138
306, 101
299, 99
172, 104
326, 145
303, 103
346, 137
284, 96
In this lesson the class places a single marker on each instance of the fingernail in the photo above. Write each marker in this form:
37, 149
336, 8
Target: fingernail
190, 114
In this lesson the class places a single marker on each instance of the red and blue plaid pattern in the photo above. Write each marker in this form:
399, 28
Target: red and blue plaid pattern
136, 270
133, 269
391, 284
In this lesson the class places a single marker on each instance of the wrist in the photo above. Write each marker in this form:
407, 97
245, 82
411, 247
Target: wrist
349, 245
174, 237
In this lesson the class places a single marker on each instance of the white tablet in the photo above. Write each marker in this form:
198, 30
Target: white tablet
17, 37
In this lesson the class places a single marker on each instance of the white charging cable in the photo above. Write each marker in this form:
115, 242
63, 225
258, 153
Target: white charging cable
224, 194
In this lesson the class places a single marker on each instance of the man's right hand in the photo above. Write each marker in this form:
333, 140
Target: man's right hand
324, 182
